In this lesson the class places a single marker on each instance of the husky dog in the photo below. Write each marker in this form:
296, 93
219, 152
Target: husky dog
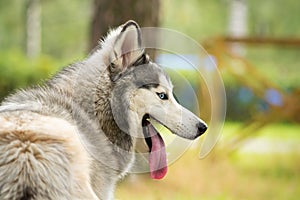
75, 136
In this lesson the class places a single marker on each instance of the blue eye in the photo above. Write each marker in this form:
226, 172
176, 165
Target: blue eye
162, 96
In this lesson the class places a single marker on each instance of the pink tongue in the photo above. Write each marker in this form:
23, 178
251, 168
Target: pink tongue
158, 156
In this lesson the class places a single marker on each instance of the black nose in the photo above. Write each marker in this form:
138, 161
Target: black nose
201, 128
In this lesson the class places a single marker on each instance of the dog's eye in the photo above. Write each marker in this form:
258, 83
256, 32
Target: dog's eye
162, 96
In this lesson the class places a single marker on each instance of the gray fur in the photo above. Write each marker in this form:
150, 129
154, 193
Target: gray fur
74, 137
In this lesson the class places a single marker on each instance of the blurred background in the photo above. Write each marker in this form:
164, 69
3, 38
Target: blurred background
256, 45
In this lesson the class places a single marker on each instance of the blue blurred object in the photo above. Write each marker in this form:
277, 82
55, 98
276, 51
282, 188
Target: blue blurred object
263, 106
182, 61
273, 97
245, 95
186, 61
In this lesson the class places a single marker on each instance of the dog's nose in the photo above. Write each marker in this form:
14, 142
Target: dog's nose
201, 128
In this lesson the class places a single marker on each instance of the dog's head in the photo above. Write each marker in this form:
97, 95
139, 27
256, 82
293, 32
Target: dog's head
142, 93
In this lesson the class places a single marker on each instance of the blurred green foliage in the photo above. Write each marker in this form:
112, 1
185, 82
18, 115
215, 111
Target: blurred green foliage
274, 18
203, 19
65, 26
17, 71
199, 19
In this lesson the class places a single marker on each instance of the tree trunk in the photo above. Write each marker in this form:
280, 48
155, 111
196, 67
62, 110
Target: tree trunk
33, 28
111, 13
238, 23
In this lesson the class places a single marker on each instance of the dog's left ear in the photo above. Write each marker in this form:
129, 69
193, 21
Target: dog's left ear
126, 49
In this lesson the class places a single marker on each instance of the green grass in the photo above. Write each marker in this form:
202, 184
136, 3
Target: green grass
222, 177
240, 177
282, 131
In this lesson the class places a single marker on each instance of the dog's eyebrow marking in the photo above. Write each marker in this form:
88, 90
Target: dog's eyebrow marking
150, 85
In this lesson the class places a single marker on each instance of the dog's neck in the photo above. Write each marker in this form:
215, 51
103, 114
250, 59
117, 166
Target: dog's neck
107, 122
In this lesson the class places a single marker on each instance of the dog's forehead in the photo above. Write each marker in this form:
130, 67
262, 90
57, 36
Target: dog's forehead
151, 74
165, 81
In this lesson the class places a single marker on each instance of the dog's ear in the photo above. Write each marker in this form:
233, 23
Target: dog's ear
126, 49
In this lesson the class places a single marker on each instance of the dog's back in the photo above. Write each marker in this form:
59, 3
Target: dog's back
40, 162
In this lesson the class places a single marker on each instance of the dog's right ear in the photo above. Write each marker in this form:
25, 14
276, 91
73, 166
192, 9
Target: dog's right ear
126, 49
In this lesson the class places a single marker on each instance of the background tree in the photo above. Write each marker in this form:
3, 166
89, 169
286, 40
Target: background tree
33, 28
238, 23
111, 13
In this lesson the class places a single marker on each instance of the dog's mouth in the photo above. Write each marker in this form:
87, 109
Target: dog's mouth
158, 157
